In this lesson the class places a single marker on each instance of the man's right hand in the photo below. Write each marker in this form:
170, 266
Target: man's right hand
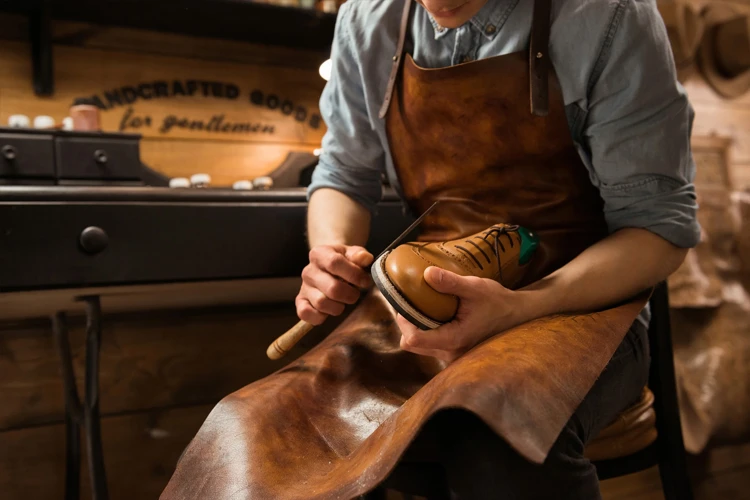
331, 280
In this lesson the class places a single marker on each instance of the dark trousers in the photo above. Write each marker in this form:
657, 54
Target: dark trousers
459, 450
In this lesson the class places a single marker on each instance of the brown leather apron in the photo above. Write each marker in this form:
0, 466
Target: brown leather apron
334, 423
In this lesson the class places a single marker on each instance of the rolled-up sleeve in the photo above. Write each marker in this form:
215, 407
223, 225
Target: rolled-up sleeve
637, 130
352, 158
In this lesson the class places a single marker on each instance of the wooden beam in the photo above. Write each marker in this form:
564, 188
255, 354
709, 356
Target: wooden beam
119, 299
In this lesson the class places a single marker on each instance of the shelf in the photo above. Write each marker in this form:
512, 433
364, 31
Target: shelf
238, 20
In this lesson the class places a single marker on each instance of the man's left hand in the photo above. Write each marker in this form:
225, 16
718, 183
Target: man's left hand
485, 308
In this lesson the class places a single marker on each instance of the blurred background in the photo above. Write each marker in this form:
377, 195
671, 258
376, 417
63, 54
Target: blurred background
153, 163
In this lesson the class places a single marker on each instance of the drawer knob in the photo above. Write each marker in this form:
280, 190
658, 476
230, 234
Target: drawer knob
9, 152
100, 156
93, 240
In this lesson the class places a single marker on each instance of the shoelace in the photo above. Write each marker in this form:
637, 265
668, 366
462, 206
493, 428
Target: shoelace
496, 246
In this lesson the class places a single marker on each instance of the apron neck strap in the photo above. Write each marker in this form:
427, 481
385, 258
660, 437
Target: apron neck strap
403, 30
538, 58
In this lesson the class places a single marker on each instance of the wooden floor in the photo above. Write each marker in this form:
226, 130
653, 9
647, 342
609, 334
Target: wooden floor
722, 474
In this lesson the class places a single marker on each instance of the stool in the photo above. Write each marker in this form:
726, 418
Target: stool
667, 450
647, 434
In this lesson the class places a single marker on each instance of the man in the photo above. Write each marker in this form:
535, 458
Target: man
564, 118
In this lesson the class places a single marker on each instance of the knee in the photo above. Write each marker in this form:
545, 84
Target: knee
463, 434
570, 444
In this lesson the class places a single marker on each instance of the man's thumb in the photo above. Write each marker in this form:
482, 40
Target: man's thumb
445, 281
359, 256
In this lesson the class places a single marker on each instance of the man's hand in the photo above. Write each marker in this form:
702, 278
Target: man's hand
485, 308
616, 268
331, 280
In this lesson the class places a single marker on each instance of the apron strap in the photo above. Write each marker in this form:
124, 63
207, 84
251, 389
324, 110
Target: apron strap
539, 60
396, 58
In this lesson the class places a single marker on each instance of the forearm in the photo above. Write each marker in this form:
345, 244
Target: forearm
618, 267
335, 219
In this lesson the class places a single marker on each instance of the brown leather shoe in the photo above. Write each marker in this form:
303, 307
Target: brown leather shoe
498, 253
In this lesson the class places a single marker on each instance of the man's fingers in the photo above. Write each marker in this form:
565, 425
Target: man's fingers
332, 287
323, 304
359, 256
451, 283
337, 264
306, 312
447, 356
444, 338
433, 353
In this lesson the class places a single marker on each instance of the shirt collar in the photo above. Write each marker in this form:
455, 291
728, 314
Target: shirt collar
489, 20
440, 32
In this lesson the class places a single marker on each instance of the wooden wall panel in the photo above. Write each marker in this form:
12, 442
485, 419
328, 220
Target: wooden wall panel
722, 122
713, 166
250, 105
740, 5
741, 172
148, 361
35, 304
225, 161
724, 119
701, 94
140, 452
113, 78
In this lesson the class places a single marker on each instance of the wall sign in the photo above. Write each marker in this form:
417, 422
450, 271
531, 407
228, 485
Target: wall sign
128, 96
232, 120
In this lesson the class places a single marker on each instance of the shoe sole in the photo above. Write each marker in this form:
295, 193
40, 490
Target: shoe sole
398, 301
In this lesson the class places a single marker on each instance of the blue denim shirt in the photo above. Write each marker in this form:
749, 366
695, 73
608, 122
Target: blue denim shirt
629, 117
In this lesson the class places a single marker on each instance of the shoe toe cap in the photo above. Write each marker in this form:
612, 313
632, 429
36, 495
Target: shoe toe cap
405, 269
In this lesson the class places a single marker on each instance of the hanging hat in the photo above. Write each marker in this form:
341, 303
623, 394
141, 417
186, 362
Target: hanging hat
724, 54
685, 28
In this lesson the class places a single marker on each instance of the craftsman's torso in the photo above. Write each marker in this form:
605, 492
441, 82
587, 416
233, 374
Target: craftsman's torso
466, 135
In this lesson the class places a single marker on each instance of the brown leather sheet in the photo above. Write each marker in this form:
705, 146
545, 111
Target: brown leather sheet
334, 423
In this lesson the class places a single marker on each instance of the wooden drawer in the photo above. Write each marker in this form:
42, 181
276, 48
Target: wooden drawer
27, 156
98, 158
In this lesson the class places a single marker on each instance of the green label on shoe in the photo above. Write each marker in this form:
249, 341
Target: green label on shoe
529, 244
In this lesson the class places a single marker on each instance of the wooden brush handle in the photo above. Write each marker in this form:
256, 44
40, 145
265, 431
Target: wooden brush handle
284, 344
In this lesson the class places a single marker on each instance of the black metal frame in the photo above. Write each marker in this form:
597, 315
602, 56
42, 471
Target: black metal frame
40, 36
84, 414
668, 451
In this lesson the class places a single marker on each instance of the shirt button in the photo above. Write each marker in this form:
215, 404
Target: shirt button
490, 29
